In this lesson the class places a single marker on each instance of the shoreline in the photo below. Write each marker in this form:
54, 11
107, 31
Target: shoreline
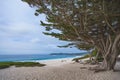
56, 62
33, 57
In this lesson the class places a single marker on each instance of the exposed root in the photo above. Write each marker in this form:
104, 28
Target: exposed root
97, 69
83, 68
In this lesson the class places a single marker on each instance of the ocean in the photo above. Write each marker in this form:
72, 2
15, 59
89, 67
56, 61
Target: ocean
33, 57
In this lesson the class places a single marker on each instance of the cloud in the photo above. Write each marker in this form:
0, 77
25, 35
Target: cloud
35, 40
21, 33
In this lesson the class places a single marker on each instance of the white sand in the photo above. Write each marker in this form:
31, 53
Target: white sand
56, 62
57, 70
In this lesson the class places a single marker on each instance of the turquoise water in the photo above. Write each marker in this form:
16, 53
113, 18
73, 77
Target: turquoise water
32, 57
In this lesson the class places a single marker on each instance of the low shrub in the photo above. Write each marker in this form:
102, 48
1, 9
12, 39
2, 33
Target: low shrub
19, 64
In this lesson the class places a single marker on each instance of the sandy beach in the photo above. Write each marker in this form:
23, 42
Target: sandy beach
56, 62
59, 69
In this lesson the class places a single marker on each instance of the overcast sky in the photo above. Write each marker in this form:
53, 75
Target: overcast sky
21, 33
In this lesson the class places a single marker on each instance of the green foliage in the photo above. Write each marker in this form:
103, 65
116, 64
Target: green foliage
4, 65
92, 54
19, 64
83, 57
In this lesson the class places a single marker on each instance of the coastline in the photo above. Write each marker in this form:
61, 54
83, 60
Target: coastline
32, 58
54, 61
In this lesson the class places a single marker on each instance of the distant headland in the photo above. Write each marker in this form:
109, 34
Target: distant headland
69, 53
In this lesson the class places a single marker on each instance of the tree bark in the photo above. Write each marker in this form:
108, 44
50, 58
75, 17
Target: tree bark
112, 54
110, 61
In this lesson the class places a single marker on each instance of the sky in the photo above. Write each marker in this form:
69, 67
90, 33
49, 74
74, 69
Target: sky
21, 33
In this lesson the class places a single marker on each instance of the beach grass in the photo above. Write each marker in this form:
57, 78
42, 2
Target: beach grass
20, 64
79, 58
92, 54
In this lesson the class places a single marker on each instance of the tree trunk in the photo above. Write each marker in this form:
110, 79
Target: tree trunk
110, 61
112, 54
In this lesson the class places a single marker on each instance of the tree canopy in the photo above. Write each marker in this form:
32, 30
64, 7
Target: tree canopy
85, 23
